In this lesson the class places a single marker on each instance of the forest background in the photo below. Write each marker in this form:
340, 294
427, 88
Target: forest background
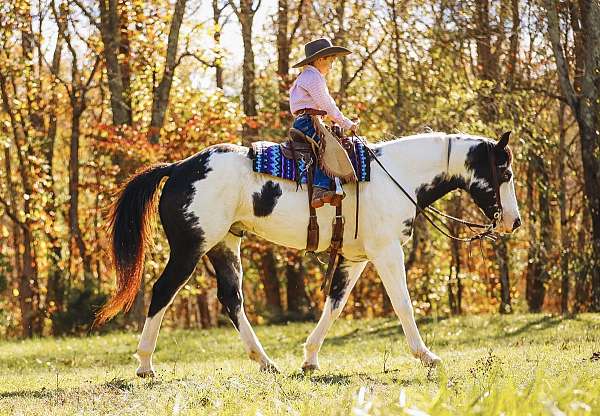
91, 90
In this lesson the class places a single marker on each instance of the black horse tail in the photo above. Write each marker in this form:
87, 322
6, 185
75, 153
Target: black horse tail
129, 232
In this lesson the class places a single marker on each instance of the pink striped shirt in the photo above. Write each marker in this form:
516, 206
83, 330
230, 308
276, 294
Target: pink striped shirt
310, 91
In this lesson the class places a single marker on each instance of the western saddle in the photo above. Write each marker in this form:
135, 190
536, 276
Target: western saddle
301, 147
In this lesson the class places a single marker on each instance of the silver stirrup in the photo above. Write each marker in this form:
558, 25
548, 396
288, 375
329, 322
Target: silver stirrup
338, 186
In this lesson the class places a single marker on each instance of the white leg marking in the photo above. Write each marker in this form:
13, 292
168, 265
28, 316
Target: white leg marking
252, 344
147, 344
328, 317
390, 265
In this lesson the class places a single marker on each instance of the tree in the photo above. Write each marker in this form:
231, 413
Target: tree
245, 12
488, 70
113, 30
583, 97
160, 99
284, 44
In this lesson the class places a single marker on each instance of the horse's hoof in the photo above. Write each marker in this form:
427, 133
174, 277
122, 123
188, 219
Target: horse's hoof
310, 368
269, 368
429, 359
145, 373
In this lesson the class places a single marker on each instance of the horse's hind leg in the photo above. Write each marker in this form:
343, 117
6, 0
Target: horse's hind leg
344, 279
182, 261
225, 258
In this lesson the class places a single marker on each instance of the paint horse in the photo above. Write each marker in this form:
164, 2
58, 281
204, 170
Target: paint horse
211, 196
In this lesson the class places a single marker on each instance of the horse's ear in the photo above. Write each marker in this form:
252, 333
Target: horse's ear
503, 140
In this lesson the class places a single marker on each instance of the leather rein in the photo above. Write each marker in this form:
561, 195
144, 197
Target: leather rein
430, 212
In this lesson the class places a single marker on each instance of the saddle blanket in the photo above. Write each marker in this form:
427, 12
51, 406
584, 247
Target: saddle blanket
269, 159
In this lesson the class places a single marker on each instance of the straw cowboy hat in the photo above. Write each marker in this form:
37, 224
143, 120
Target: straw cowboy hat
320, 48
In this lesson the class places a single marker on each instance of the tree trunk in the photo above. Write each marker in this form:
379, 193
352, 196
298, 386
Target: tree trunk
487, 62
110, 31
245, 14
297, 299
125, 56
565, 251
586, 109
160, 100
283, 61
55, 285
455, 299
217, 38
270, 281
398, 56
504, 267
582, 274
532, 250
340, 39
29, 296
540, 273
76, 236
204, 310
487, 70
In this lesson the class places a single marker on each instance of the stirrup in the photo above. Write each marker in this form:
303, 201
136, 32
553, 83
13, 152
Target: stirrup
321, 196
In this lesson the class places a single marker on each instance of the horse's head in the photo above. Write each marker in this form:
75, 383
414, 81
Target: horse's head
491, 184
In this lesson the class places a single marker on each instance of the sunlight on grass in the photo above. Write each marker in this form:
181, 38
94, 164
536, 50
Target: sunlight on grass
512, 365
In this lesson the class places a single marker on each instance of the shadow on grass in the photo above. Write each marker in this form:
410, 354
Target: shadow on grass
43, 393
119, 385
545, 322
392, 328
116, 385
345, 379
385, 329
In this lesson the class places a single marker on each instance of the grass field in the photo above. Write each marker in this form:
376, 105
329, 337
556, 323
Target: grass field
513, 365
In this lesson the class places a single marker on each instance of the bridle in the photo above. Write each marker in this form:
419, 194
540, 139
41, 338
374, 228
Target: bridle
496, 184
429, 213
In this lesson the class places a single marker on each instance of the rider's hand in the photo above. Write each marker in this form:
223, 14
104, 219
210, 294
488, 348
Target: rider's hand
354, 128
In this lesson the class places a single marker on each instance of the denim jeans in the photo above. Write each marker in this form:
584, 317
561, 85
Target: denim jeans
305, 125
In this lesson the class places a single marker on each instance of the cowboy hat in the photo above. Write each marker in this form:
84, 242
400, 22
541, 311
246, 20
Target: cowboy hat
318, 49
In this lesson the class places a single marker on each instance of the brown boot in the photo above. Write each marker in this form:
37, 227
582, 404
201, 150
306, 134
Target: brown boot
321, 196
336, 199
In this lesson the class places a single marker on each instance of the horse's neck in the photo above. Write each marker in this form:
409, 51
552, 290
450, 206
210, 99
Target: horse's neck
426, 159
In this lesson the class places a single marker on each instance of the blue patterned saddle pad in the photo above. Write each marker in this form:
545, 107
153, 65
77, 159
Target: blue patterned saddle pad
269, 159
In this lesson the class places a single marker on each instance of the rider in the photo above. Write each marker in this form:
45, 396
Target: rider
309, 96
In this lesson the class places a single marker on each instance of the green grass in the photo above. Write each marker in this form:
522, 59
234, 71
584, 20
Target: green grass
513, 365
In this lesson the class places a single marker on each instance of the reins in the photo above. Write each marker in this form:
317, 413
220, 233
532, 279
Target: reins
488, 229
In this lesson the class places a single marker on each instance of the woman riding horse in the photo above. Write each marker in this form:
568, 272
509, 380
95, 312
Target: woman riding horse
309, 97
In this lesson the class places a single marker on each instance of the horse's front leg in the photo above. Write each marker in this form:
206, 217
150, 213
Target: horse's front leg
390, 266
344, 279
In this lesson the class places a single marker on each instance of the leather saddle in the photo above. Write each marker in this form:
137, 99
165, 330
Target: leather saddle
298, 146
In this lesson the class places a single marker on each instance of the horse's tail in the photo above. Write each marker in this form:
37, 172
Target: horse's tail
129, 232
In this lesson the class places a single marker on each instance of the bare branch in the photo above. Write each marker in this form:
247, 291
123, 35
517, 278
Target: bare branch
89, 80
561, 62
12, 216
196, 57
235, 9
298, 21
86, 12
364, 63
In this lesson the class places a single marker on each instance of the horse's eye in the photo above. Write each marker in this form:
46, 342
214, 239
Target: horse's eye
507, 175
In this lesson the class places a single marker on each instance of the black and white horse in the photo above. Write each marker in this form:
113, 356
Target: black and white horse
216, 191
